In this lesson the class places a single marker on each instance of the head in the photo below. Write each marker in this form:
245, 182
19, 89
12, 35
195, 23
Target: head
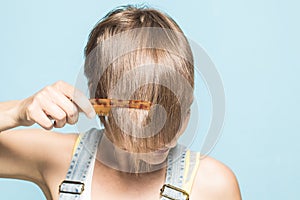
141, 54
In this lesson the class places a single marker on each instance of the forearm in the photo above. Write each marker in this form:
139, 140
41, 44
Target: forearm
9, 115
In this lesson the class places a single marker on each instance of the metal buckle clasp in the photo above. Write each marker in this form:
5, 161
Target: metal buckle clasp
187, 196
78, 188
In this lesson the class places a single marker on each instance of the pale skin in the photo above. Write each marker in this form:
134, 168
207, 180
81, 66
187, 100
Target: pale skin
43, 156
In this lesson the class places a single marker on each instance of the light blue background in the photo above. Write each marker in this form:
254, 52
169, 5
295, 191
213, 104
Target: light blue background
254, 44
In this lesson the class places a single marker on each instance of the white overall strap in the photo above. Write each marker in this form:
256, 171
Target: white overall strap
73, 186
174, 175
180, 174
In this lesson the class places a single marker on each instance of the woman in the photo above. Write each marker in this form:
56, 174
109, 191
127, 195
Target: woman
135, 61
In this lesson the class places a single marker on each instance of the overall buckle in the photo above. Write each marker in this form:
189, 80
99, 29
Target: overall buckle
71, 187
171, 187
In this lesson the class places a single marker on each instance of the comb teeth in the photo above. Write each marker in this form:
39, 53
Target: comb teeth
103, 106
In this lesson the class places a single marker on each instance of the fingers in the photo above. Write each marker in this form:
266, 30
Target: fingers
38, 116
55, 112
66, 111
77, 97
55, 103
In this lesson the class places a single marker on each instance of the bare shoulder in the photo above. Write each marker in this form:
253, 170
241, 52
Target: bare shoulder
35, 150
36, 141
214, 180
